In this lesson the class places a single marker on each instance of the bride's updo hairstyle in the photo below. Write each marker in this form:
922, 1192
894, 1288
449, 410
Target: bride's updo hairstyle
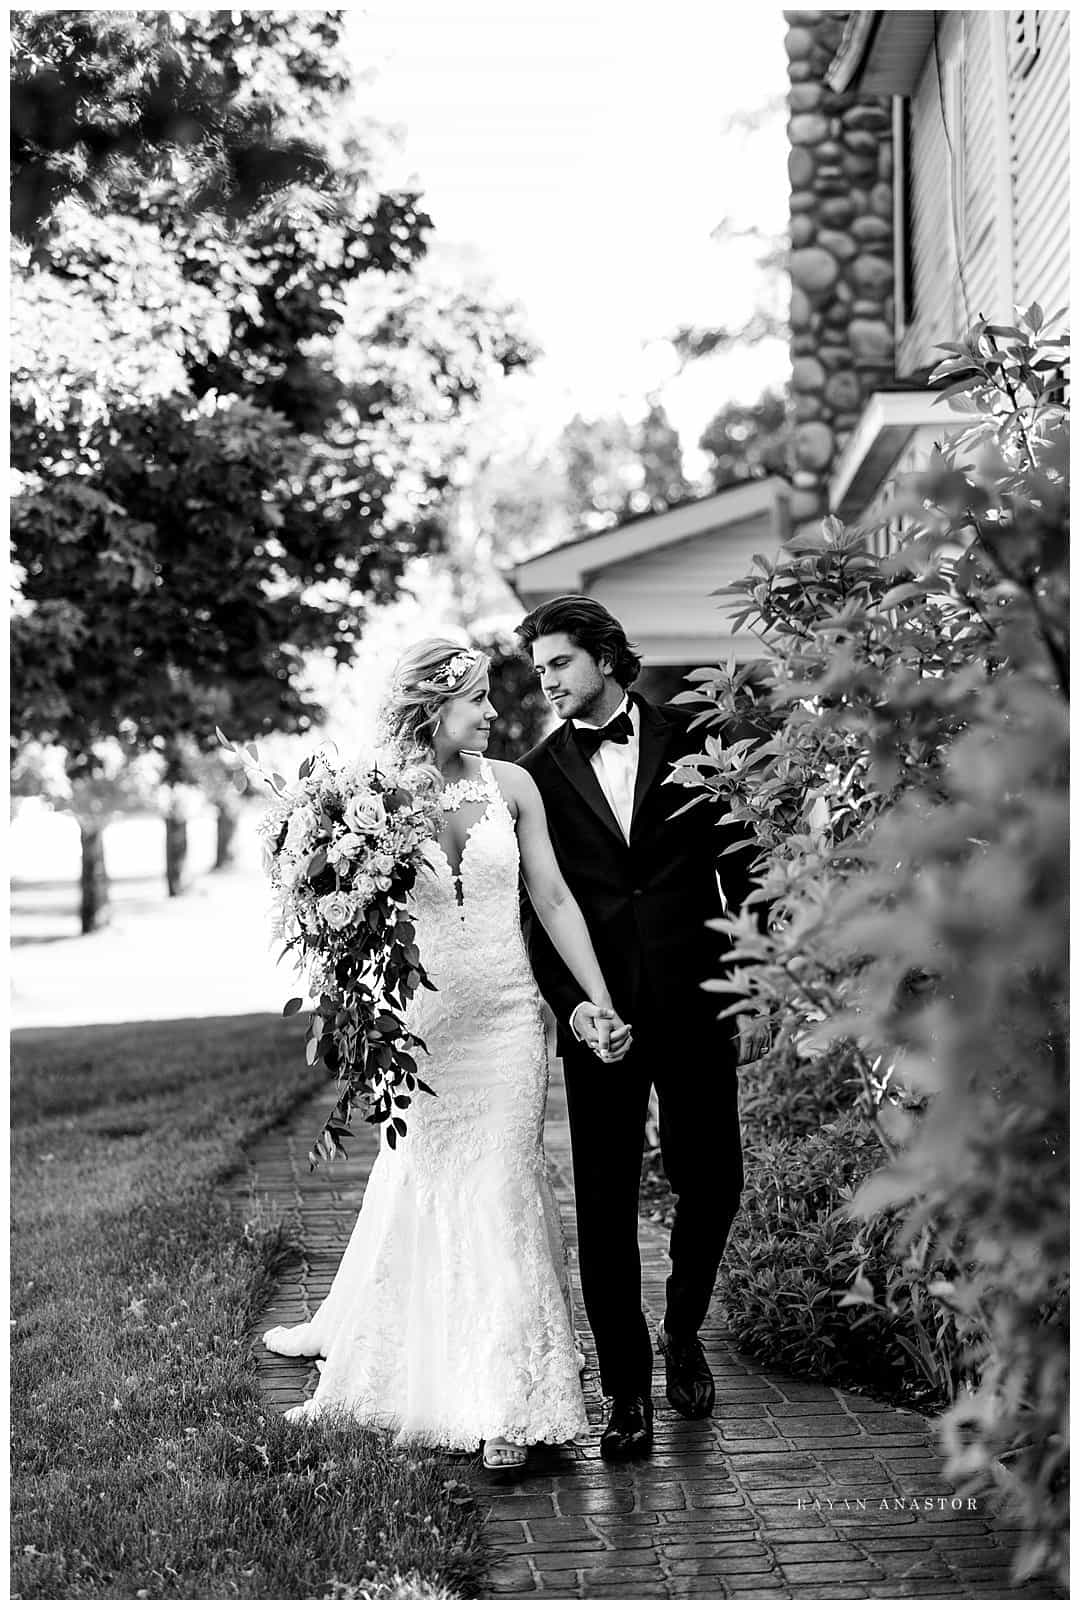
426, 676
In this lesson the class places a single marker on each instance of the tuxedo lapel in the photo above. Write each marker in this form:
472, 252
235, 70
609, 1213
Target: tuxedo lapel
577, 770
652, 747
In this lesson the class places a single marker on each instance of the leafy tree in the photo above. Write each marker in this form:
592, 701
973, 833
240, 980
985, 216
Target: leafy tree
114, 101
250, 435
612, 471
656, 443
910, 807
120, 781
747, 440
600, 469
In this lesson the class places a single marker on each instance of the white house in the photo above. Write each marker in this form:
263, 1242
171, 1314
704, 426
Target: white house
980, 138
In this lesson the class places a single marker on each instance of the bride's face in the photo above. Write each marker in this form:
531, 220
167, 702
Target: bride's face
465, 722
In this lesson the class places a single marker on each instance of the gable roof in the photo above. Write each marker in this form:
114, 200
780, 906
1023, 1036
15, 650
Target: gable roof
567, 567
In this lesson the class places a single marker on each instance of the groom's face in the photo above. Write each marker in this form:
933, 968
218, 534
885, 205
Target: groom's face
571, 680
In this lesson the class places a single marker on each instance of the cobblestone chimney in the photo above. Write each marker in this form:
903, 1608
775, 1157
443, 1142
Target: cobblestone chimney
841, 170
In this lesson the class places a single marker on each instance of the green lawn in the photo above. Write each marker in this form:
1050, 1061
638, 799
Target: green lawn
143, 1462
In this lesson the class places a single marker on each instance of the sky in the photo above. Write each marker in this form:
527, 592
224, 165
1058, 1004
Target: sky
579, 155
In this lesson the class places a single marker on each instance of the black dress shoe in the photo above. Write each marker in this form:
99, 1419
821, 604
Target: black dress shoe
690, 1386
628, 1434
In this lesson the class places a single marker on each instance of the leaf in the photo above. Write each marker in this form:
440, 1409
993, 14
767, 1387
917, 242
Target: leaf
292, 1006
391, 1137
860, 1291
904, 594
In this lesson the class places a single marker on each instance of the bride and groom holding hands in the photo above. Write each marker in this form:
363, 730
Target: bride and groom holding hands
449, 1318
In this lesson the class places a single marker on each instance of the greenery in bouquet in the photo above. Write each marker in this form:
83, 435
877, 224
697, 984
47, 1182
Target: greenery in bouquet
342, 848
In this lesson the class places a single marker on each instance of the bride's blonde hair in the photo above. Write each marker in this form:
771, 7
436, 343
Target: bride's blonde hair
426, 677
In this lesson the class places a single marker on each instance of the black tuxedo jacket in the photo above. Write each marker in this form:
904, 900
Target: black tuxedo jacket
646, 902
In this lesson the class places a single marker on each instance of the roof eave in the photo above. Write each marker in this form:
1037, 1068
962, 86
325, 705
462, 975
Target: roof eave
881, 52
883, 430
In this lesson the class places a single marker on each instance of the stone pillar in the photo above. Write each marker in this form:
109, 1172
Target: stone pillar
840, 166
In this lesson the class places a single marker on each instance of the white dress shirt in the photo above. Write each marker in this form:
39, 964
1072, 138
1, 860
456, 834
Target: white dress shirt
616, 767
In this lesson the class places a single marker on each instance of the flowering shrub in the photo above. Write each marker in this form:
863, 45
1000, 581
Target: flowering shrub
909, 802
342, 850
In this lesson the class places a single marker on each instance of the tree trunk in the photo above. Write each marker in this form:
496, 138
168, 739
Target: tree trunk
176, 849
227, 818
94, 912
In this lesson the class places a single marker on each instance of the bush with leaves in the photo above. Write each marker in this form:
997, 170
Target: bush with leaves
910, 808
795, 1251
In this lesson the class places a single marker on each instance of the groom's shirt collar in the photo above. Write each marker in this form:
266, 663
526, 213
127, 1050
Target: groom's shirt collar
628, 705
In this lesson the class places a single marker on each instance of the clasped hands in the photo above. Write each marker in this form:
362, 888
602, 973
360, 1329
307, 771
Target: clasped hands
602, 1030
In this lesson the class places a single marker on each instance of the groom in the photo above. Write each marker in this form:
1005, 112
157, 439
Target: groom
647, 886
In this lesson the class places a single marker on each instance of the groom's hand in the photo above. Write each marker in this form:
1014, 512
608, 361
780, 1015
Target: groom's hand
602, 1030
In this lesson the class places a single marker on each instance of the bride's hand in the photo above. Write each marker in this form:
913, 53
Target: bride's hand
603, 1031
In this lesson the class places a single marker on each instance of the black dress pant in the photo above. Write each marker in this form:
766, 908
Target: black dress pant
692, 1065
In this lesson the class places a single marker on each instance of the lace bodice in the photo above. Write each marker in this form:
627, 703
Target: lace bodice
478, 906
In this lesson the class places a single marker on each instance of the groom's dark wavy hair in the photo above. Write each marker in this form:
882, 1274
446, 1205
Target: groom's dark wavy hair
590, 626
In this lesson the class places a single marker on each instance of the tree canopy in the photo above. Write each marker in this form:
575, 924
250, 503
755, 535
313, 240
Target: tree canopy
256, 416
104, 103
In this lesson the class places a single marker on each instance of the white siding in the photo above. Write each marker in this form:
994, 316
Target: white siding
983, 151
937, 310
665, 600
1039, 163
1009, 165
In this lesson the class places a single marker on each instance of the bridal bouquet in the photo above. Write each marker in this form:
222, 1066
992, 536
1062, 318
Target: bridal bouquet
342, 849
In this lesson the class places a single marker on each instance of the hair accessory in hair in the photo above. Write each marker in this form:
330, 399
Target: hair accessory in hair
453, 670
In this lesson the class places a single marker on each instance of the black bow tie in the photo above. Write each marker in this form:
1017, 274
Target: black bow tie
618, 731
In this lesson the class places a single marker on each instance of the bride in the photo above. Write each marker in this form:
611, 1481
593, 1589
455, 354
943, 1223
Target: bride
448, 1320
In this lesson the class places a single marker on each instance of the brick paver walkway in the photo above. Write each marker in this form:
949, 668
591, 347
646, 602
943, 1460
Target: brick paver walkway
792, 1491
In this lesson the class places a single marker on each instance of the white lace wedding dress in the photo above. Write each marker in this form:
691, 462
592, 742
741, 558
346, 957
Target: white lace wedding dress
448, 1320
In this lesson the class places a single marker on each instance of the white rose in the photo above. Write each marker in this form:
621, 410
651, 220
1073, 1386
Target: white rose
288, 871
382, 865
415, 778
365, 814
382, 884
302, 826
363, 889
337, 910
345, 848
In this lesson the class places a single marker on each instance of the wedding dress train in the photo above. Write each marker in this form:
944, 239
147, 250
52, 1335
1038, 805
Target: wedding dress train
448, 1320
